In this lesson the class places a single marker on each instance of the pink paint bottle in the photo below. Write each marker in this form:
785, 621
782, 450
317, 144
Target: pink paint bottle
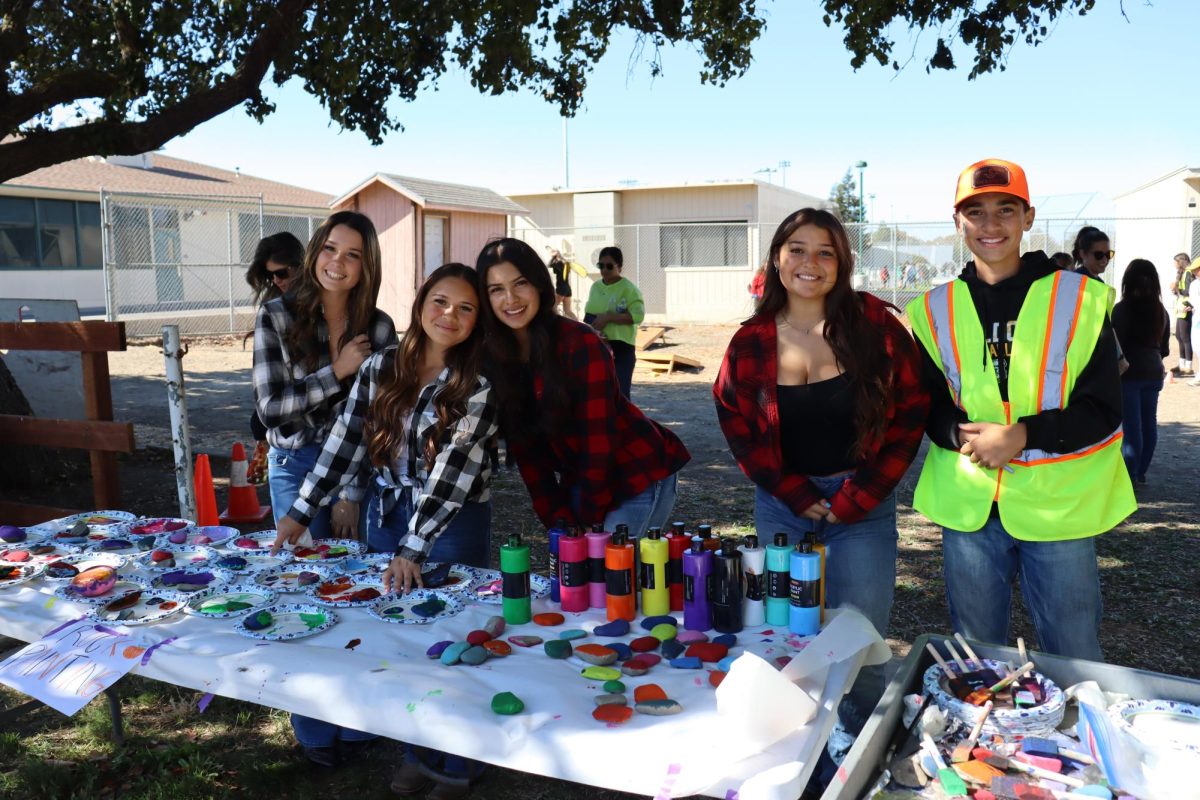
597, 541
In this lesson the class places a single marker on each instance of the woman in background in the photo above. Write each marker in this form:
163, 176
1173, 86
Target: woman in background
1143, 330
615, 309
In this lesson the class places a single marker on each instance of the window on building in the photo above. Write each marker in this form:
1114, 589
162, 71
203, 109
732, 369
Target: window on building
56, 229
18, 233
712, 244
53, 234
91, 247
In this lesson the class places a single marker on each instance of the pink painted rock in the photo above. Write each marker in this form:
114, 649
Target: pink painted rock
178, 537
16, 556
525, 641
494, 626
691, 637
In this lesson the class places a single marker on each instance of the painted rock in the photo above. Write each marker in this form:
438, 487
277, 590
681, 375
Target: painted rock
727, 639
715, 677
572, 634
613, 687
707, 651
596, 654
200, 539
507, 703
691, 637
115, 544
649, 623
16, 556
259, 621
782, 661
601, 673
525, 641
478, 637
611, 699
178, 537
634, 669
623, 651
686, 662
725, 663
94, 582
161, 557
649, 691
235, 563
61, 569
306, 578
646, 660
435, 650
644, 644
671, 648
430, 607
247, 543
549, 619
659, 708
144, 543
497, 647
453, 653
612, 714
12, 534
558, 648
474, 656
663, 632
618, 627
494, 626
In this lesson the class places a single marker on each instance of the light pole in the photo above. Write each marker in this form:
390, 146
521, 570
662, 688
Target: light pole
783, 165
871, 197
860, 166
770, 171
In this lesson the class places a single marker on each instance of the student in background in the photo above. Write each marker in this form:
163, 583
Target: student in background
1063, 260
1143, 330
1183, 315
615, 309
1092, 252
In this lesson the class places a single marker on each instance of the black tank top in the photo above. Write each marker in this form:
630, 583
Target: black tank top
816, 427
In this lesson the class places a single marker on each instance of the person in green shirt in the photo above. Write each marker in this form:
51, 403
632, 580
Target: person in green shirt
615, 309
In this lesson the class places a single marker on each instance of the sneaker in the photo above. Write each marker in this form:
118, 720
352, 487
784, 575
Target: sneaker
321, 756
409, 779
1194, 382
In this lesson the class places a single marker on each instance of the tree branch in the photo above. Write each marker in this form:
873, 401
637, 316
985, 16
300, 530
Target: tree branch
62, 88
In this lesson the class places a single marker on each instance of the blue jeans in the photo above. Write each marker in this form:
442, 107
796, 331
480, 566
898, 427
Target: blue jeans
1140, 404
860, 573
650, 509
624, 359
286, 470
1059, 581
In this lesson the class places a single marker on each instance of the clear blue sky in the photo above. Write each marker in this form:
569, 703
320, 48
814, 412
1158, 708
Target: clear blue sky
1103, 106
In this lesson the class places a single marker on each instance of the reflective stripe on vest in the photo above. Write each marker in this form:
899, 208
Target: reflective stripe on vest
939, 307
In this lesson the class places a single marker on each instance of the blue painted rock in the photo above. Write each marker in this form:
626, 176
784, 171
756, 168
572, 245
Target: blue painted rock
239, 563
623, 651
558, 648
648, 623
453, 653
572, 634
94, 582
691, 637
618, 627
494, 626
430, 607
686, 662
12, 534
663, 632
259, 621
507, 703
596, 654
436, 650
115, 544
725, 663
611, 699
658, 708
601, 673
474, 656
671, 648
525, 641
727, 639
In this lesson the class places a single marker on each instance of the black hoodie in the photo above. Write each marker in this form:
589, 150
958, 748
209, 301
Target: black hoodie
1094, 407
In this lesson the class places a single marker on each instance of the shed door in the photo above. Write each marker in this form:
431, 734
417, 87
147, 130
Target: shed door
435, 243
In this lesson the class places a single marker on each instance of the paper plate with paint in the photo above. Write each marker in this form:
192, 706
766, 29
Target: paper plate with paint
14, 574
205, 536
192, 579
68, 566
292, 577
369, 564
418, 607
285, 621
98, 521
39, 553
1038, 720
228, 603
176, 556
159, 526
123, 543
450, 577
1160, 723
105, 594
259, 541
140, 608
347, 591
487, 587
251, 562
328, 550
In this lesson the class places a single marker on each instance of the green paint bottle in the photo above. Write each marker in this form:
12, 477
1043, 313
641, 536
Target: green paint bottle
514, 574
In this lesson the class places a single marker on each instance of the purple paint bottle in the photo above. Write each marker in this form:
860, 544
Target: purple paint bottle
697, 574
597, 540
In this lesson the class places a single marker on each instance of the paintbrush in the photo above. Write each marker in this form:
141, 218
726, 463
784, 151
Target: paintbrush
963, 751
981, 696
1000, 762
951, 783
988, 674
960, 687
1037, 746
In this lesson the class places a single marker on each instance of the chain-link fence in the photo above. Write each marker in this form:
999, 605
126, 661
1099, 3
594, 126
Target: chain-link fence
182, 259
700, 272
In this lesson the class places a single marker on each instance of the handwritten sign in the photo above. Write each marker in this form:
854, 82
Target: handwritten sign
73, 663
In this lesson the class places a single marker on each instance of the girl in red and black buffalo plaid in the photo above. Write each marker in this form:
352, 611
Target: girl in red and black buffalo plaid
820, 399
586, 454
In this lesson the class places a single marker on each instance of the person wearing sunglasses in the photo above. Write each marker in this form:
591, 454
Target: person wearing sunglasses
1092, 252
615, 309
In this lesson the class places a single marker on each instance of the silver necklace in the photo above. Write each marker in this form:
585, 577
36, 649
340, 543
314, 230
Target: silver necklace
787, 323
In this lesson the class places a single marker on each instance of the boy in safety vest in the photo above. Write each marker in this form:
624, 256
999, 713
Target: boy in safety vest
1025, 421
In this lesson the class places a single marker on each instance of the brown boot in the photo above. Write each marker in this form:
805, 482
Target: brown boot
449, 791
408, 779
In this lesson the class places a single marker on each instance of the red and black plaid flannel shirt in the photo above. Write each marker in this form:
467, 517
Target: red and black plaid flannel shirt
747, 407
608, 447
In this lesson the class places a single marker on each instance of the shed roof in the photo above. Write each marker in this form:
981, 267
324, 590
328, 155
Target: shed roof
440, 195
1184, 173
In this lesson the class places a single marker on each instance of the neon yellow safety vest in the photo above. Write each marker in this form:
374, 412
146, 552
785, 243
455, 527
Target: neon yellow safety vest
1046, 496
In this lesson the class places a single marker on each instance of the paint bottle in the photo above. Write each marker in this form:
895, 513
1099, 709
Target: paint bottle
727, 599
677, 544
679, 529
697, 573
711, 543
553, 535
779, 592
597, 540
514, 575
619, 571
623, 529
804, 616
656, 599
754, 559
819, 548
573, 570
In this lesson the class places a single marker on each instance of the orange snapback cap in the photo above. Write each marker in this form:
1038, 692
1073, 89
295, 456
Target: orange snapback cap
991, 175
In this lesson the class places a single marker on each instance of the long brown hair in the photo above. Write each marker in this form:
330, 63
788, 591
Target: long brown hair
858, 346
305, 294
399, 380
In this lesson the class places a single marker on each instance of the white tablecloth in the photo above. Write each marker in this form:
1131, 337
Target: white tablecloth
386, 685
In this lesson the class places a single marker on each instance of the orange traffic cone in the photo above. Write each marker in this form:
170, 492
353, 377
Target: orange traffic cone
206, 496
243, 498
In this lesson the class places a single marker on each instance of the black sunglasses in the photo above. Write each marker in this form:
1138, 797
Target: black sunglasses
1103, 255
280, 274
603, 265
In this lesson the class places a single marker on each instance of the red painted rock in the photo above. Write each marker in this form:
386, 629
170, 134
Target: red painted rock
525, 641
649, 659
478, 637
612, 714
161, 555
651, 691
716, 676
549, 619
707, 651
16, 556
783, 661
644, 644
497, 647
596, 654
640, 664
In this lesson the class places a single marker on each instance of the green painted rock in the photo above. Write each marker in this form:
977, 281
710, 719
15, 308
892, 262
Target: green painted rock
558, 648
614, 687
658, 708
611, 700
601, 673
507, 703
663, 632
